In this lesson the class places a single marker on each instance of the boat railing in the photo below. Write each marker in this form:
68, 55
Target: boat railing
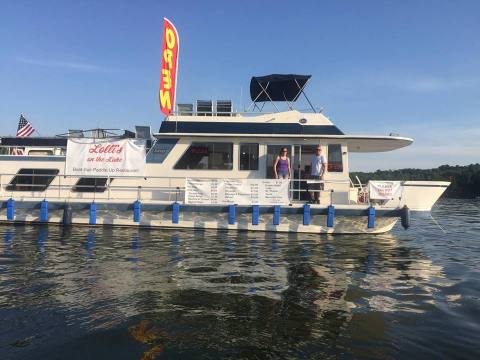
236, 113
166, 188
35, 152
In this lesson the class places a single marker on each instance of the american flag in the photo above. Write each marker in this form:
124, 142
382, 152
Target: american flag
25, 129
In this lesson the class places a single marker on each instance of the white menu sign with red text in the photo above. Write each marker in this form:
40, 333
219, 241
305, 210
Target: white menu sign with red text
384, 190
105, 157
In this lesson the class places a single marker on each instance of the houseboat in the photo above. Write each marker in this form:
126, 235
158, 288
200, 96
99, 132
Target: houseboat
210, 167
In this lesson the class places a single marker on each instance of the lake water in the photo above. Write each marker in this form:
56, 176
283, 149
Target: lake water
80, 293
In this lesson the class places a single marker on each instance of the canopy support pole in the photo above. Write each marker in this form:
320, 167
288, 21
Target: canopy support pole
269, 98
303, 92
290, 106
254, 100
264, 90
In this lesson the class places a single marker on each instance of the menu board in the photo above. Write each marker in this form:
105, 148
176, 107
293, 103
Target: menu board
236, 191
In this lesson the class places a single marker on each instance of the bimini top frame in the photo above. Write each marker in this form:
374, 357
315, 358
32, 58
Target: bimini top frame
60, 140
98, 134
278, 87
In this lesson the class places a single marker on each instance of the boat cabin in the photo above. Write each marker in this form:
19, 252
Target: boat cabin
205, 139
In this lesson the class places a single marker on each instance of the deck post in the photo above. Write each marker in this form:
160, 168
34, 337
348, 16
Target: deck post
93, 213
371, 217
231, 214
67, 214
306, 214
405, 217
255, 214
175, 212
276, 215
44, 210
10, 209
137, 210
330, 215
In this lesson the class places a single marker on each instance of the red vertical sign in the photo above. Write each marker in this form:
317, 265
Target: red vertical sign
168, 70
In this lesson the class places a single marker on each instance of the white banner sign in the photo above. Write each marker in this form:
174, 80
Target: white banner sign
384, 190
236, 191
105, 157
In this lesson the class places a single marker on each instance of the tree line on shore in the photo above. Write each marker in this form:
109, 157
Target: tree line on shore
465, 180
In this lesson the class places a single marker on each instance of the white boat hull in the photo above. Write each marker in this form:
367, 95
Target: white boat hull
289, 223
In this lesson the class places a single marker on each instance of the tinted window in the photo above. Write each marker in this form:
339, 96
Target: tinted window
248, 156
160, 150
91, 185
334, 161
40, 152
203, 156
32, 179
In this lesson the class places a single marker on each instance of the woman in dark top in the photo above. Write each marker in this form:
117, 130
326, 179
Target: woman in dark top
281, 167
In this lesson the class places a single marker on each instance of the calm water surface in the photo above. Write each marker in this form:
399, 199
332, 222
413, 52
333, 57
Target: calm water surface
81, 293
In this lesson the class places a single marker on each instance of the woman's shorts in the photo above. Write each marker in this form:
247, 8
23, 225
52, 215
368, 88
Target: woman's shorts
283, 175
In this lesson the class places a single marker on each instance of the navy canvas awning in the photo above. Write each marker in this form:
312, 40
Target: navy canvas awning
277, 87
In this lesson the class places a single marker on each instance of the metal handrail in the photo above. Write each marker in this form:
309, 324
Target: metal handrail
161, 177
236, 113
110, 191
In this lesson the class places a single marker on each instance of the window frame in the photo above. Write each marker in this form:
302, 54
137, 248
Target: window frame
92, 188
334, 163
240, 156
208, 144
36, 152
152, 154
13, 185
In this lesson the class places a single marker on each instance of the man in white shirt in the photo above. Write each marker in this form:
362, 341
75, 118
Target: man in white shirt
318, 167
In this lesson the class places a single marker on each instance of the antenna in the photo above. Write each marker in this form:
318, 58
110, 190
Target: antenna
242, 106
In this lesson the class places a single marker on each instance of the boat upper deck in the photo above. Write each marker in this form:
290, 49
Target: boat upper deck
283, 123
288, 124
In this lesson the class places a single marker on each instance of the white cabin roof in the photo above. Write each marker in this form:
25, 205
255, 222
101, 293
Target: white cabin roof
284, 117
288, 124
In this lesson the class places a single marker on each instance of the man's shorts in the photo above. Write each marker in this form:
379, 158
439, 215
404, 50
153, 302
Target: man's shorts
316, 186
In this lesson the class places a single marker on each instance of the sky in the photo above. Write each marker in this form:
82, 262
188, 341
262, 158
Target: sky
378, 67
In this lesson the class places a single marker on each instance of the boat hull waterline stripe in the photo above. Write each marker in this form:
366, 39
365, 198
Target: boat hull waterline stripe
317, 225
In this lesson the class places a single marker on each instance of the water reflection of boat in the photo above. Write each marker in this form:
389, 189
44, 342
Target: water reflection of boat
222, 287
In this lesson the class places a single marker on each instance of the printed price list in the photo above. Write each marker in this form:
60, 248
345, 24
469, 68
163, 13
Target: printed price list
236, 191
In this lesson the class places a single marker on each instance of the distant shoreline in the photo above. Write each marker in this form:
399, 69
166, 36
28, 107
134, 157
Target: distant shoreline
465, 180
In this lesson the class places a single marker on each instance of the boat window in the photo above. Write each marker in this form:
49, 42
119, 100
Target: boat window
91, 185
16, 151
40, 152
160, 150
334, 161
32, 179
207, 156
248, 156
